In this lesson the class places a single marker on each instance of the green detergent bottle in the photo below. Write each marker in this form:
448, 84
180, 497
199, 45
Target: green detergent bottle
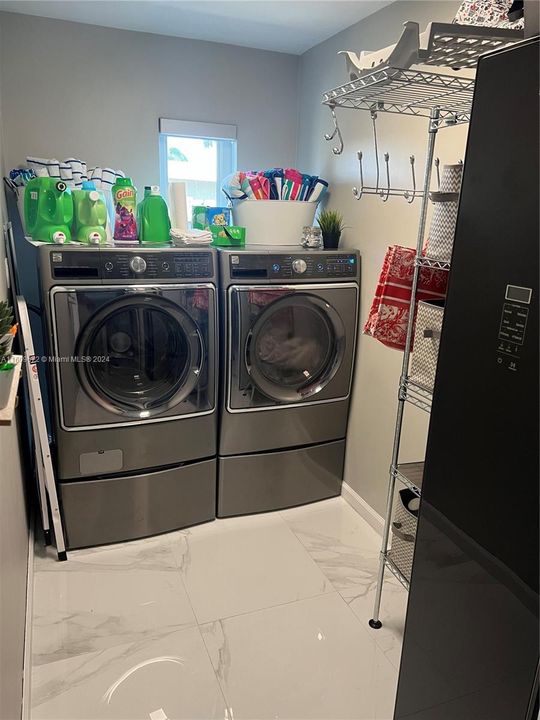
90, 215
154, 222
147, 189
48, 209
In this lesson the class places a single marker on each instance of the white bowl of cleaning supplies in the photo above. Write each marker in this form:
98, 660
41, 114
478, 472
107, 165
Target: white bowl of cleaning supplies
274, 222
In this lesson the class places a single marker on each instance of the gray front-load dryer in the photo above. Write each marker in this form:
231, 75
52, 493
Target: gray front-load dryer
132, 361
289, 322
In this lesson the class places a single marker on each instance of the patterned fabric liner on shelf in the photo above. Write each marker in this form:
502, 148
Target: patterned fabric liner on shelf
488, 13
389, 314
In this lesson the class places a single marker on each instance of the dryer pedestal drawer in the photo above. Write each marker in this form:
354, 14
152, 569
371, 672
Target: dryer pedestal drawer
271, 481
97, 512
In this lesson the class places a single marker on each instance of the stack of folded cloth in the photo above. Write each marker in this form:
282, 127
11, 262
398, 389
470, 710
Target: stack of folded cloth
190, 237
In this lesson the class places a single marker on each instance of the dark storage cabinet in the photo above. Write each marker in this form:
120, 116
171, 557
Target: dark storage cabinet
471, 638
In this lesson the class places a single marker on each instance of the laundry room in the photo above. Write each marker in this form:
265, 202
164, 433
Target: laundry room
269, 359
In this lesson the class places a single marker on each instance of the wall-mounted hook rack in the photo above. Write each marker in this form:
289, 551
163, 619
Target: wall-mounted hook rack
410, 194
337, 150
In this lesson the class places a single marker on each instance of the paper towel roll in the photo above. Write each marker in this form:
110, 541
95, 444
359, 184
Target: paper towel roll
178, 205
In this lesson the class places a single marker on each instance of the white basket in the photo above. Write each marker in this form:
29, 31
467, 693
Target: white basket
442, 230
274, 222
427, 336
404, 532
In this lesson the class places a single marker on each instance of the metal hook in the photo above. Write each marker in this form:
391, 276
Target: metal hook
375, 144
355, 191
386, 195
407, 194
339, 149
437, 163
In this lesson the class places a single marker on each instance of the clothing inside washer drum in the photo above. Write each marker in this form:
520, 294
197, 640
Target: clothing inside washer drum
294, 345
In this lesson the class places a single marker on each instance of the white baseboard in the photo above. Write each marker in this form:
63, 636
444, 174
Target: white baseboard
358, 503
27, 661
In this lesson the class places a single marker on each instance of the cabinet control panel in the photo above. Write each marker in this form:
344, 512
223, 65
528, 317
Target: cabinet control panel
117, 265
308, 266
514, 316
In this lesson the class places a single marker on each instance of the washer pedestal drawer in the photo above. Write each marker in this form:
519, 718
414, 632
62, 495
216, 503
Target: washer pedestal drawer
108, 510
271, 481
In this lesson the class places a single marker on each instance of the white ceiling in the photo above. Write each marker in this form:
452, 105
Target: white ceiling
291, 26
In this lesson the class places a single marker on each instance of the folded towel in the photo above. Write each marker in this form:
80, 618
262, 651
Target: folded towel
179, 237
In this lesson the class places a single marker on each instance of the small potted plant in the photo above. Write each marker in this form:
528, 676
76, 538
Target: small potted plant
331, 224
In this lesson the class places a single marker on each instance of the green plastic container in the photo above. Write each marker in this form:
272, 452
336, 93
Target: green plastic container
89, 215
228, 235
153, 216
48, 210
147, 189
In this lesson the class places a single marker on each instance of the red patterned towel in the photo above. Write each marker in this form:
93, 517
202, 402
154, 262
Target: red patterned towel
389, 314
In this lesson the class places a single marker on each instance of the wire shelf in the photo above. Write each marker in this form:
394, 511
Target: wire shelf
407, 92
394, 569
460, 46
411, 475
416, 395
424, 261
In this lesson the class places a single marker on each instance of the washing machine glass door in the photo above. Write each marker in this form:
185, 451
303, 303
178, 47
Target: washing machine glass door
140, 355
293, 344
154, 356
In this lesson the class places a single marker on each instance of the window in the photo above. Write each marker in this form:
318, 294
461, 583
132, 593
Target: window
199, 154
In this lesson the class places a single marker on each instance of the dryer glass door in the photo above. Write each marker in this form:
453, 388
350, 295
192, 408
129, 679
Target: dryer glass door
289, 346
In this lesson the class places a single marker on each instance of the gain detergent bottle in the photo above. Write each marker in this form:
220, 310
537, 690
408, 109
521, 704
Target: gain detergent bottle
125, 210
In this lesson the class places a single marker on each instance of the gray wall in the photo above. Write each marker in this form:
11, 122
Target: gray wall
132, 79
372, 225
13, 545
97, 93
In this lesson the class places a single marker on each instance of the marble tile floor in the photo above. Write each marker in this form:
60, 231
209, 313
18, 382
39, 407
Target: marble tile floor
241, 619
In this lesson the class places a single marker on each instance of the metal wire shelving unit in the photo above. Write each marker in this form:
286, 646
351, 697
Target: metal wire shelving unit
446, 101
394, 86
407, 92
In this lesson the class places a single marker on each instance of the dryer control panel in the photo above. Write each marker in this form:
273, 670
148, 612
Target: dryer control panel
311, 266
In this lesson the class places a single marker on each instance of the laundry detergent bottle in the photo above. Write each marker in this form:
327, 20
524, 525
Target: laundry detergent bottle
90, 215
147, 189
125, 210
154, 222
48, 209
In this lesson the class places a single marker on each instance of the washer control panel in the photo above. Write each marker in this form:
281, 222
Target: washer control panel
156, 265
117, 265
309, 266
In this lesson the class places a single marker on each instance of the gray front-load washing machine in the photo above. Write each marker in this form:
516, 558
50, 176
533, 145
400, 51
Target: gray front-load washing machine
132, 337
289, 322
